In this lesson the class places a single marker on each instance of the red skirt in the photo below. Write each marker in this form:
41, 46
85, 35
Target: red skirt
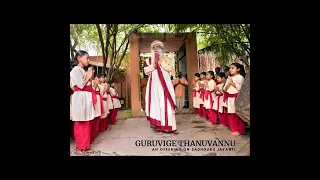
82, 136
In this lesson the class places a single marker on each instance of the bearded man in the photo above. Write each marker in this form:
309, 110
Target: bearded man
160, 97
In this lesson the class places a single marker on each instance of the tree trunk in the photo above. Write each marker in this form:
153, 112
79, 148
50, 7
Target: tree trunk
243, 100
72, 48
238, 38
72, 55
113, 57
102, 46
108, 26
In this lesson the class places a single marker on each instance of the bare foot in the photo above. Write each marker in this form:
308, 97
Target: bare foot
159, 133
235, 133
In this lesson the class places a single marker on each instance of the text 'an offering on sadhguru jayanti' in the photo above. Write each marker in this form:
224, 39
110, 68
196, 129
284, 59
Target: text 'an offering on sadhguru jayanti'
188, 145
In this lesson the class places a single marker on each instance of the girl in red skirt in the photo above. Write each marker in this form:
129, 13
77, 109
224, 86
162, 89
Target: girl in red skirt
71, 122
196, 94
202, 110
232, 88
99, 108
83, 100
103, 125
115, 102
209, 85
218, 108
94, 123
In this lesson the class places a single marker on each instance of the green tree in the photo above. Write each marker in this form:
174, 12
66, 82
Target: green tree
112, 40
83, 36
224, 39
115, 33
75, 32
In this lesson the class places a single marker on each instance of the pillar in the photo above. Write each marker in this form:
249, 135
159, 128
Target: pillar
134, 70
192, 63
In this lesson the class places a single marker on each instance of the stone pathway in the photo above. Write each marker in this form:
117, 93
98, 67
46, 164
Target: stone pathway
120, 139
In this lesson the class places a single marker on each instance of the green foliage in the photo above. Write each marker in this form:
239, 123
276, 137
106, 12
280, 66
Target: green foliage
152, 28
122, 72
84, 35
127, 113
126, 59
227, 39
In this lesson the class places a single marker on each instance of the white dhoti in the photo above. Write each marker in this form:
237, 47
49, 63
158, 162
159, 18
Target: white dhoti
97, 107
159, 110
82, 107
70, 112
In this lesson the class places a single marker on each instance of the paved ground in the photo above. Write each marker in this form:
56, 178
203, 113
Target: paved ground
120, 139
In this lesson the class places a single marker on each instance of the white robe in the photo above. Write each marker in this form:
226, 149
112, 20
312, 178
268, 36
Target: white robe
70, 100
157, 104
207, 102
200, 100
196, 99
82, 107
230, 103
115, 102
219, 98
109, 100
97, 107
105, 104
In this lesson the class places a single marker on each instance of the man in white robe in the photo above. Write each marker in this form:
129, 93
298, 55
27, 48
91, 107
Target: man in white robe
160, 97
